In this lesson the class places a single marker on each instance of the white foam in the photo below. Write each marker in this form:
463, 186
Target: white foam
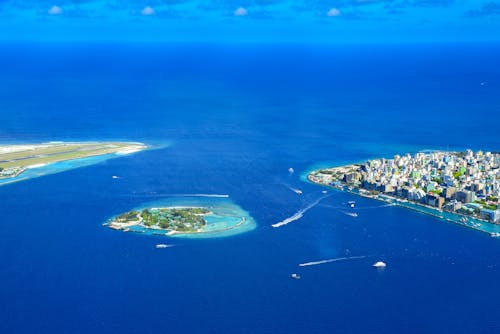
352, 214
36, 166
201, 195
314, 263
295, 190
299, 214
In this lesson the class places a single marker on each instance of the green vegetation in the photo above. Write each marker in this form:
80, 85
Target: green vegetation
437, 191
490, 206
129, 216
437, 180
176, 219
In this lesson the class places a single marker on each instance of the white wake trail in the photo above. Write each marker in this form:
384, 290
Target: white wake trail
202, 195
299, 214
314, 263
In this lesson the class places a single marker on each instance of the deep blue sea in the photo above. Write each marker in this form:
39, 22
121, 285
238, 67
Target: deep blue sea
232, 119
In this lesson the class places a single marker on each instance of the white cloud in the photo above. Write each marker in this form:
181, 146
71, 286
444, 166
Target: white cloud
241, 12
333, 12
55, 10
148, 11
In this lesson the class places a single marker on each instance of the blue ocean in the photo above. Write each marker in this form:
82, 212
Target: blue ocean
231, 120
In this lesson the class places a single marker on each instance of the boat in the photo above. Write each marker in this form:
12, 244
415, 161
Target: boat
379, 264
351, 203
324, 192
298, 191
495, 235
115, 177
295, 276
291, 170
160, 246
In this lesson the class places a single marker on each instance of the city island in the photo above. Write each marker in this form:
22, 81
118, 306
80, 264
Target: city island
195, 217
24, 161
461, 187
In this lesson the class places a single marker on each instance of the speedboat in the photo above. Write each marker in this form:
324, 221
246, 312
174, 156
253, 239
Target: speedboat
379, 264
351, 203
295, 276
160, 246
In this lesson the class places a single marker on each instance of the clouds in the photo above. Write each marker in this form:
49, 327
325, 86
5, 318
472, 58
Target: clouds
333, 12
284, 11
241, 11
487, 9
148, 11
55, 10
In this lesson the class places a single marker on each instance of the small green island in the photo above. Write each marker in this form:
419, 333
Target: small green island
207, 217
174, 220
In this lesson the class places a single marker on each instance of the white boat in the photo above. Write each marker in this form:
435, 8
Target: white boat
160, 246
295, 276
495, 235
379, 264
298, 191
291, 170
351, 203
115, 177
324, 192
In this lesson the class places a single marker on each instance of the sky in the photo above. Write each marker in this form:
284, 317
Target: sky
255, 21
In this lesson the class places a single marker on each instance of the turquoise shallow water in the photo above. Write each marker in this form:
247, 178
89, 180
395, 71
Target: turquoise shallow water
58, 167
238, 118
226, 218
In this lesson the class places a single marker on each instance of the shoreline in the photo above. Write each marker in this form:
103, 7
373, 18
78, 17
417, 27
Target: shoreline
45, 163
417, 207
128, 226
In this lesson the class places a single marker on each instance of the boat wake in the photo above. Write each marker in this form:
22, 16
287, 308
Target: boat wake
200, 195
351, 214
315, 263
155, 194
295, 190
358, 208
299, 214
